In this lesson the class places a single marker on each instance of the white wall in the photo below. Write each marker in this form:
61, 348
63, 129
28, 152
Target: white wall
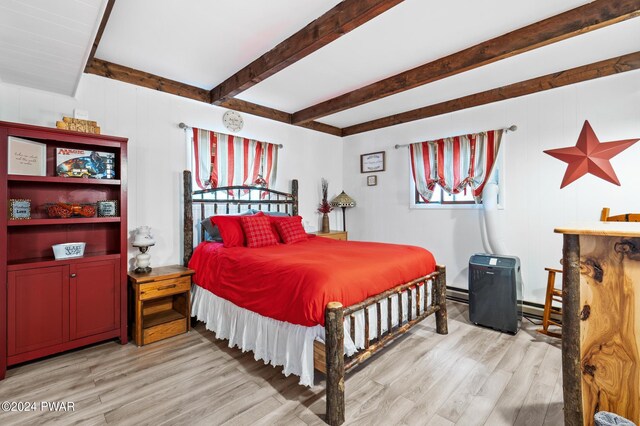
534, 202
157, 153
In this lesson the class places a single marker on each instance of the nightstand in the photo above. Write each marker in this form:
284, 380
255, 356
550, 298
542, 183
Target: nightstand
162, 303
335, 235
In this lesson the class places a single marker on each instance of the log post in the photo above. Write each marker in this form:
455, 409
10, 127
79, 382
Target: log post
571, 371
334, 338
441, 297
188, 217
294, 193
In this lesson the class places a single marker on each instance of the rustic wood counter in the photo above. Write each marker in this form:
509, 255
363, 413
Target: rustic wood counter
601, 321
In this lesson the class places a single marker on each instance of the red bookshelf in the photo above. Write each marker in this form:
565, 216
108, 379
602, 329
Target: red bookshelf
70, 221
64, 180
52, 305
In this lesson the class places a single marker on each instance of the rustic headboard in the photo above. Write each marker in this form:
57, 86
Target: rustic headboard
228, 200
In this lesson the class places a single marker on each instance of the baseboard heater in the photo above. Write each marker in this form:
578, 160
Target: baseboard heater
530, 310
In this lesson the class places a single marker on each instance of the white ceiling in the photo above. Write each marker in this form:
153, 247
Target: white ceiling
45, 44
605, 43
410, 34
201, 42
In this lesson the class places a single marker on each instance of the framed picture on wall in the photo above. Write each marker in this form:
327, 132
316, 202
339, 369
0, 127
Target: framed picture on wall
372, 180
372, 162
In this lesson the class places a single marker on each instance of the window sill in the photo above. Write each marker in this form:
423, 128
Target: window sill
450, 206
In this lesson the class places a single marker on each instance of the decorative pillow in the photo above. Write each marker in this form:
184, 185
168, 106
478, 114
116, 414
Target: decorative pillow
276, 219
213, 232
291, 230
231, 229
258, 231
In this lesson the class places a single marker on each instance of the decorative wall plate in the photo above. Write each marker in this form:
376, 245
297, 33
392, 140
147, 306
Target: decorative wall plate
232, 121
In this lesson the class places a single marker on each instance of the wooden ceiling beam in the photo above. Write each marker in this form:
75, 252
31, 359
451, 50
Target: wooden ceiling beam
103, 25
144, 79
344, 17
589, 17
277, 115
595, 70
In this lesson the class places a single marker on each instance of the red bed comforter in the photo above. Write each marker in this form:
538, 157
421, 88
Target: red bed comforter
294, 283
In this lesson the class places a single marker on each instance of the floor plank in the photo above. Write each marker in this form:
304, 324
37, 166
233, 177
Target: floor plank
472, 376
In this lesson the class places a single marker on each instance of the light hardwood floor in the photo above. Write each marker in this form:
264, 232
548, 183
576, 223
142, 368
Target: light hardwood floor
472, 376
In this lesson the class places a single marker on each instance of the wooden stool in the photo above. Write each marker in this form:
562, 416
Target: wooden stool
626, 217
553, 294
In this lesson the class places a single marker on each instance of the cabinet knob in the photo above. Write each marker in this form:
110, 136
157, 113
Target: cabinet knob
73, 275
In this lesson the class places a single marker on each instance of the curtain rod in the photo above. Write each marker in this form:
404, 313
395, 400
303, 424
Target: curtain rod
511, 128
186, 126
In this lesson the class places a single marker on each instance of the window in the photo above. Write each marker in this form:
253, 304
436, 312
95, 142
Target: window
458, 164
441, 199
220, 160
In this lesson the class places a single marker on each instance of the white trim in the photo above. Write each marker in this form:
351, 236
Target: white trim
438, 206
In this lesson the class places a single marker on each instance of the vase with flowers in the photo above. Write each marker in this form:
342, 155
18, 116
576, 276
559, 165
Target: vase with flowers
325, 208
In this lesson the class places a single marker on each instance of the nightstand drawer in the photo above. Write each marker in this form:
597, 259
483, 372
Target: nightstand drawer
162, 331
165, 288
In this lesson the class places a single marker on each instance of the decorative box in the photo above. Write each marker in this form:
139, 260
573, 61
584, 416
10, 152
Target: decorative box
64, 210
68, 250
84, 163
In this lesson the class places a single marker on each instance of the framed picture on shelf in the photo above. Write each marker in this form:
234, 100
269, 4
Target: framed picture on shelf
26, 157
108, 208
372, 162
19, 209
372, 180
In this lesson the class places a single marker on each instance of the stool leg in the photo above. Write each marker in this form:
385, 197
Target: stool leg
551, 279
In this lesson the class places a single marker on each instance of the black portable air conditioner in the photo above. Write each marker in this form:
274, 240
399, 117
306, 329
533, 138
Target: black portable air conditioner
495, 292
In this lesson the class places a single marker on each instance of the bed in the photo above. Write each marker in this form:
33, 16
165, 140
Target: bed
318, 304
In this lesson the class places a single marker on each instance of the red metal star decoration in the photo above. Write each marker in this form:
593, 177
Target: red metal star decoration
590, 156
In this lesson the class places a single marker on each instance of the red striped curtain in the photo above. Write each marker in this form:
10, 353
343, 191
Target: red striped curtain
456, 164
227, 160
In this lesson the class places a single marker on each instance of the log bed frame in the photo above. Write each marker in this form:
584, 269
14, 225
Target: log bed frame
329, 356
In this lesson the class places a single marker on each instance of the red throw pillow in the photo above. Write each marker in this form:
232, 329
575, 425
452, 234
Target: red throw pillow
291, 230
276, 219
231, 229
258, 232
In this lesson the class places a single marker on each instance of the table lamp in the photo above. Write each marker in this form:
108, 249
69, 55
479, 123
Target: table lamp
344, 201
143, 240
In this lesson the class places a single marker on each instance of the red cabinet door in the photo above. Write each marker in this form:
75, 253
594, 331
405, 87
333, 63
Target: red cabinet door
94, 298
37, 308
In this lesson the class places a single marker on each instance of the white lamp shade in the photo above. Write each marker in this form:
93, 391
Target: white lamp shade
143, 237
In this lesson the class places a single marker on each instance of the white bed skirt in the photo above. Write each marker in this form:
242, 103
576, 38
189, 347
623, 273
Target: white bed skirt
278, 342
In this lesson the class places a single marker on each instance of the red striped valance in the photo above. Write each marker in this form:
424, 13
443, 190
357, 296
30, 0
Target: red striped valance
226, 160
455, 163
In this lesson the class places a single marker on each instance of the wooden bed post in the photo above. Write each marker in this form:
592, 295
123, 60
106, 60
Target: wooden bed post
441, 300
188, 217
294, 192
334, 338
